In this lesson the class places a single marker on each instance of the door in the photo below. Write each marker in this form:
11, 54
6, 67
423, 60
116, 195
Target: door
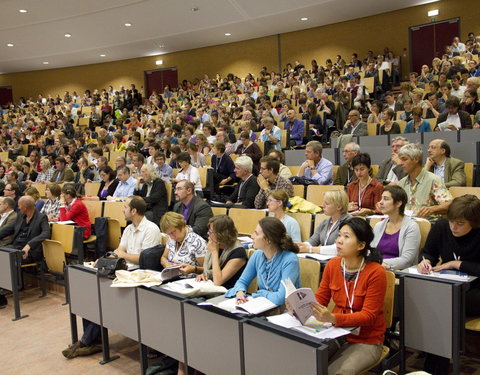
6, 95
158, 79
429, 41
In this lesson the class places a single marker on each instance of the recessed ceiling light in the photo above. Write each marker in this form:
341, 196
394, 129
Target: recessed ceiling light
103, 55
22, 10
128, 24
304, 19
45, 63
68, 35
227, 34
10, 45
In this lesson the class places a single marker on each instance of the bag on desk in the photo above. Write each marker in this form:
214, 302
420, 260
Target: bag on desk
108, 264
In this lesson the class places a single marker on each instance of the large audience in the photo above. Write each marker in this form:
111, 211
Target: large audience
238, 128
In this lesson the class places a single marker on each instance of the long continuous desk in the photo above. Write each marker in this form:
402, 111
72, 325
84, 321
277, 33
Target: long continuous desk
10, 261
432, 316
206, 338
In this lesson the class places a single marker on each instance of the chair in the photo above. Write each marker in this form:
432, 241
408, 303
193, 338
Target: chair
168, 187
63, 234
114, 233
299, 191
294, 169
246, 220
219, 211
310, 271
335, 170
402, 124
424, 226
91, 188
388, 314
203, 176
473, 324
372, 128
458, 191
94, 209
305, 222
41, 188
318, 219
115, 210
54, 257
315, 192
469, 174
374, 168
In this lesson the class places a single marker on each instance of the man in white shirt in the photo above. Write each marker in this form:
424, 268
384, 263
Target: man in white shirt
457, 89
457, 46
140, 235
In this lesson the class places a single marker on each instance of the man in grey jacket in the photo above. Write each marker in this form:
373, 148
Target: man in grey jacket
390, 170
354, 125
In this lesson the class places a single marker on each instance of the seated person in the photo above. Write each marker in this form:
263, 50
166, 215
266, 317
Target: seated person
397, 237
417, 125
390, 169
246, 190
184, 247
29, 230
225, 257
356, 271
33, 192
141, 234
335, 205
188, 172
278, 155
85, 173
455, 241
72, 208
62, 173
7, 217
345, 173
277, 202
108, 184
427, 195
269, 180
195, 210
275, 260
251, 149
271, 134
389, 126
152, 190
316, 168
365, 192
126, 184
164, 171
354, 125
223, 166
51, 208
439, 162
454, 118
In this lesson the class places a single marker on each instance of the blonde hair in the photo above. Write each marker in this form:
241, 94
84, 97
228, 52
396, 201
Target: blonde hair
172, 220
338, 198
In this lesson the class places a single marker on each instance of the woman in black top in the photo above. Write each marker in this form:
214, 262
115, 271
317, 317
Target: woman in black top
107, 186
455, 240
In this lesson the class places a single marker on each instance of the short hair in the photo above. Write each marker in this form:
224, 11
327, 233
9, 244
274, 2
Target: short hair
55, 189
183, 156
33, 192
417, 111
412, 150
220, 146
280, 195
437, 94
172, 220
267, 119
109, 171
188, 185
390, 113
280, 156
244, 135
399, 138
362, 158
445, 146
224, 229
465, 207
316, 146
61, 159
245, 162
70, 190
453, 102
139, 157
398, 195
138, 203
98, 151
354, 146
123, 169
271, 163
337, 198
9, 202
14, 187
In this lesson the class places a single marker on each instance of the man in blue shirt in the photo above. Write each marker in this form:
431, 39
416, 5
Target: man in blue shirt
316, 168
296, 128
127, 183
271, 133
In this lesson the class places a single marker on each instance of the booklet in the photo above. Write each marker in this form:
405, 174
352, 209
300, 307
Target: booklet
170, 273
190, 287
253, 306
300, 300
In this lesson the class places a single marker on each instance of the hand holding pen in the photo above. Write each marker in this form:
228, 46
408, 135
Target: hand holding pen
424, 266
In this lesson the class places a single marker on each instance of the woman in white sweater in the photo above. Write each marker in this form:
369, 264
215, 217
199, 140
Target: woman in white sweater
397, 237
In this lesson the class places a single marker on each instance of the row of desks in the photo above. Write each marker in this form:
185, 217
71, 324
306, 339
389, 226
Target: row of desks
432, 313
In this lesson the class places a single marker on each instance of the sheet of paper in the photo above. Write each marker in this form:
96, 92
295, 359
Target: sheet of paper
66, 222
284, 320
315, 256
245, 239
413, 270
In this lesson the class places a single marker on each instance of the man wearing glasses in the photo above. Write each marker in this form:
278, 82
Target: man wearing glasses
354, 125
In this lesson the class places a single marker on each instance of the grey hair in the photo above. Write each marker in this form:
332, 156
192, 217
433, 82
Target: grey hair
403, 139
355, 146
267, 119
412, 150
316, 146
151, 171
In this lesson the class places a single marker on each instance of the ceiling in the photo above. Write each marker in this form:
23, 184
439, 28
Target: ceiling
97, 27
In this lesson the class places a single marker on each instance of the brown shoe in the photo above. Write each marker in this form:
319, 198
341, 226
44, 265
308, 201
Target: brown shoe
88, 350
71, 351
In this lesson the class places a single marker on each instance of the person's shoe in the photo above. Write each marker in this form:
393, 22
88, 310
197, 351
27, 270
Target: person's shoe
88, 350
71, 351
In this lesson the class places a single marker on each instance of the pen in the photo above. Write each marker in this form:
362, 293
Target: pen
426, 265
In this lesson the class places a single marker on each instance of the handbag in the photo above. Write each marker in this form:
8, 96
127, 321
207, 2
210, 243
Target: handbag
108, 264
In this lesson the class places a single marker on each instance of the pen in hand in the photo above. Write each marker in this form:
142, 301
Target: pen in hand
426, 265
